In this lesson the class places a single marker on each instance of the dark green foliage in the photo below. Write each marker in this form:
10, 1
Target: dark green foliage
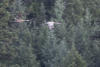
74, 59
73, 43
53, 53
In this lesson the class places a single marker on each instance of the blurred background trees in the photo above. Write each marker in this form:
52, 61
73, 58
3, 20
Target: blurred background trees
73, 43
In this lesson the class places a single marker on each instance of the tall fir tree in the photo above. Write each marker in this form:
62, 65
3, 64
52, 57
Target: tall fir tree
74, 59
52, 53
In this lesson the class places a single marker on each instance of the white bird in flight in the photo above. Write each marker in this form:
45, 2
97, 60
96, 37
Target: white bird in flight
51, 24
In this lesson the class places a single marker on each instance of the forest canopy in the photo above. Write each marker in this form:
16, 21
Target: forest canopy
49, 33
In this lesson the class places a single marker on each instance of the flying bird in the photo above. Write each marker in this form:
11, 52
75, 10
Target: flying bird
51, 24
21, 20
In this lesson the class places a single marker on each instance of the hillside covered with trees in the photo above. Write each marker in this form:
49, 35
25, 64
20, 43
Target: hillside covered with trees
28, 40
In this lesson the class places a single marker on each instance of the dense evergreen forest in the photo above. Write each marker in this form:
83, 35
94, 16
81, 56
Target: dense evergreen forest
27, 41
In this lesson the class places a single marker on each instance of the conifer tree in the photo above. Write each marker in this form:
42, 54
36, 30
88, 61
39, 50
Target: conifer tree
6, 36
18, 8
59, 8
74, 59
4, 18
24, 54
53, 54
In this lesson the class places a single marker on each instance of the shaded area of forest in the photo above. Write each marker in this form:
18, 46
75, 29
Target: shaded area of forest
73, 43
